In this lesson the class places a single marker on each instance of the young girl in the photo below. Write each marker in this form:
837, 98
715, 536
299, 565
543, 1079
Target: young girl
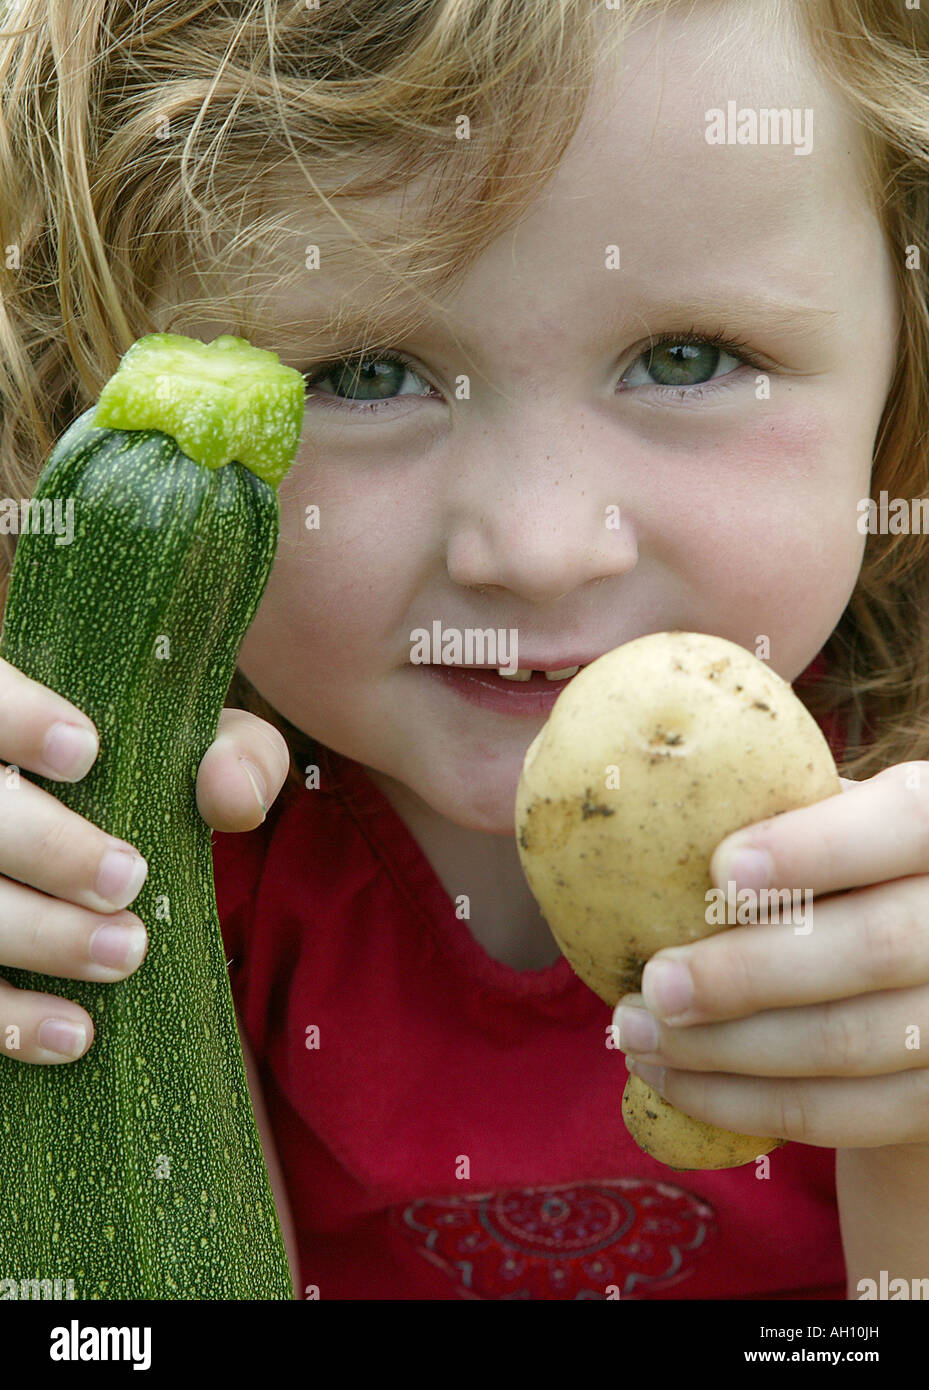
544, 266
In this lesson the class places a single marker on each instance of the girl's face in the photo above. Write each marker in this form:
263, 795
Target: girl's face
735, 473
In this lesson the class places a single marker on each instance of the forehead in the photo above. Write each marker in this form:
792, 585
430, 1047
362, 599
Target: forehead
649, 115
639, 174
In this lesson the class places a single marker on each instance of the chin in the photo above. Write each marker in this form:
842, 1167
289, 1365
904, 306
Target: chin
475, 790
491, 810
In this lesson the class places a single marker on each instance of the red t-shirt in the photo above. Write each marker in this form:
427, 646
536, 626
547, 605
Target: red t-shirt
453, 1129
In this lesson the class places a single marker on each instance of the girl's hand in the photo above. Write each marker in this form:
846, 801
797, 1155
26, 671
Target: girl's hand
819, 1035
56, 891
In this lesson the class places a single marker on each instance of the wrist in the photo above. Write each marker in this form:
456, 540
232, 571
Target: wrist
883, 1200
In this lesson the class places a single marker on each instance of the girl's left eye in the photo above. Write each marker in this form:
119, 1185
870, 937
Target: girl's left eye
369, 382
686, 362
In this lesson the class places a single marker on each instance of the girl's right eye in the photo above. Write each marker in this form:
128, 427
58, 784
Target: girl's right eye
370, 383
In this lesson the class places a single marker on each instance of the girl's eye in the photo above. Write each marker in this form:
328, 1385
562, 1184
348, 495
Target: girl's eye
365, 383
683, 362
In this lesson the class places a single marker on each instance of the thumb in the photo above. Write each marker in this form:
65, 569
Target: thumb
245, 765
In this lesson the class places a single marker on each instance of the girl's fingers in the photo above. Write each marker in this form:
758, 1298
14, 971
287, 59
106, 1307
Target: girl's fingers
828, 1112
868, 1036
42, 731
41, 1027
870, 832
241, 772
57, 938
857, 943
50, 847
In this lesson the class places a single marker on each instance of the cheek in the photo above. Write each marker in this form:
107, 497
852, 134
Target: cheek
790, 484
766, 521
318, 614
339, 588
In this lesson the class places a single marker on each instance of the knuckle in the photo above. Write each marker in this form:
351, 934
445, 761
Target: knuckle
793, 1119
889, 935
701, 1103
46, 945
830, 849
844, 1041
919, 1111
53, 841
725, 978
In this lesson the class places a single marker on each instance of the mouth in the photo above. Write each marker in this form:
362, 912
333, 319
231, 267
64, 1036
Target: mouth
520, 673
529, 690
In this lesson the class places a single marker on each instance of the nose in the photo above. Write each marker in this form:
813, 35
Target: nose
538, 516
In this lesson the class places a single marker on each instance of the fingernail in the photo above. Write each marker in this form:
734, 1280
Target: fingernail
256, 777
747, 868
118, 947
69, 751
120, 876
667, 988
66, 1039
638, 1031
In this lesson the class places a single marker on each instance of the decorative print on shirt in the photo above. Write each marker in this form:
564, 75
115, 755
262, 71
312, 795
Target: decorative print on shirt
625, 1236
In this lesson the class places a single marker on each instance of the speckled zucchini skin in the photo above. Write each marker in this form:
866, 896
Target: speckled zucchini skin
137, 1171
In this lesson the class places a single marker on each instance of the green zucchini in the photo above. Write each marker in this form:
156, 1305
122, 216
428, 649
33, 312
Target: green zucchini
136, 1172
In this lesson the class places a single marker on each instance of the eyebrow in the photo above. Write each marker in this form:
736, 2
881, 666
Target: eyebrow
739, 312
743, 312
356, 324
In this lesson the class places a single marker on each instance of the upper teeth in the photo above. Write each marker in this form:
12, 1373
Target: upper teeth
522, 673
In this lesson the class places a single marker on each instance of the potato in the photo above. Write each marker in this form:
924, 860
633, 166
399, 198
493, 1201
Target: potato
680, 1141
651, 756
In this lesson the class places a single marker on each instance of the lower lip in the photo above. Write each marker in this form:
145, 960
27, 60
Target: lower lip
490, 691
